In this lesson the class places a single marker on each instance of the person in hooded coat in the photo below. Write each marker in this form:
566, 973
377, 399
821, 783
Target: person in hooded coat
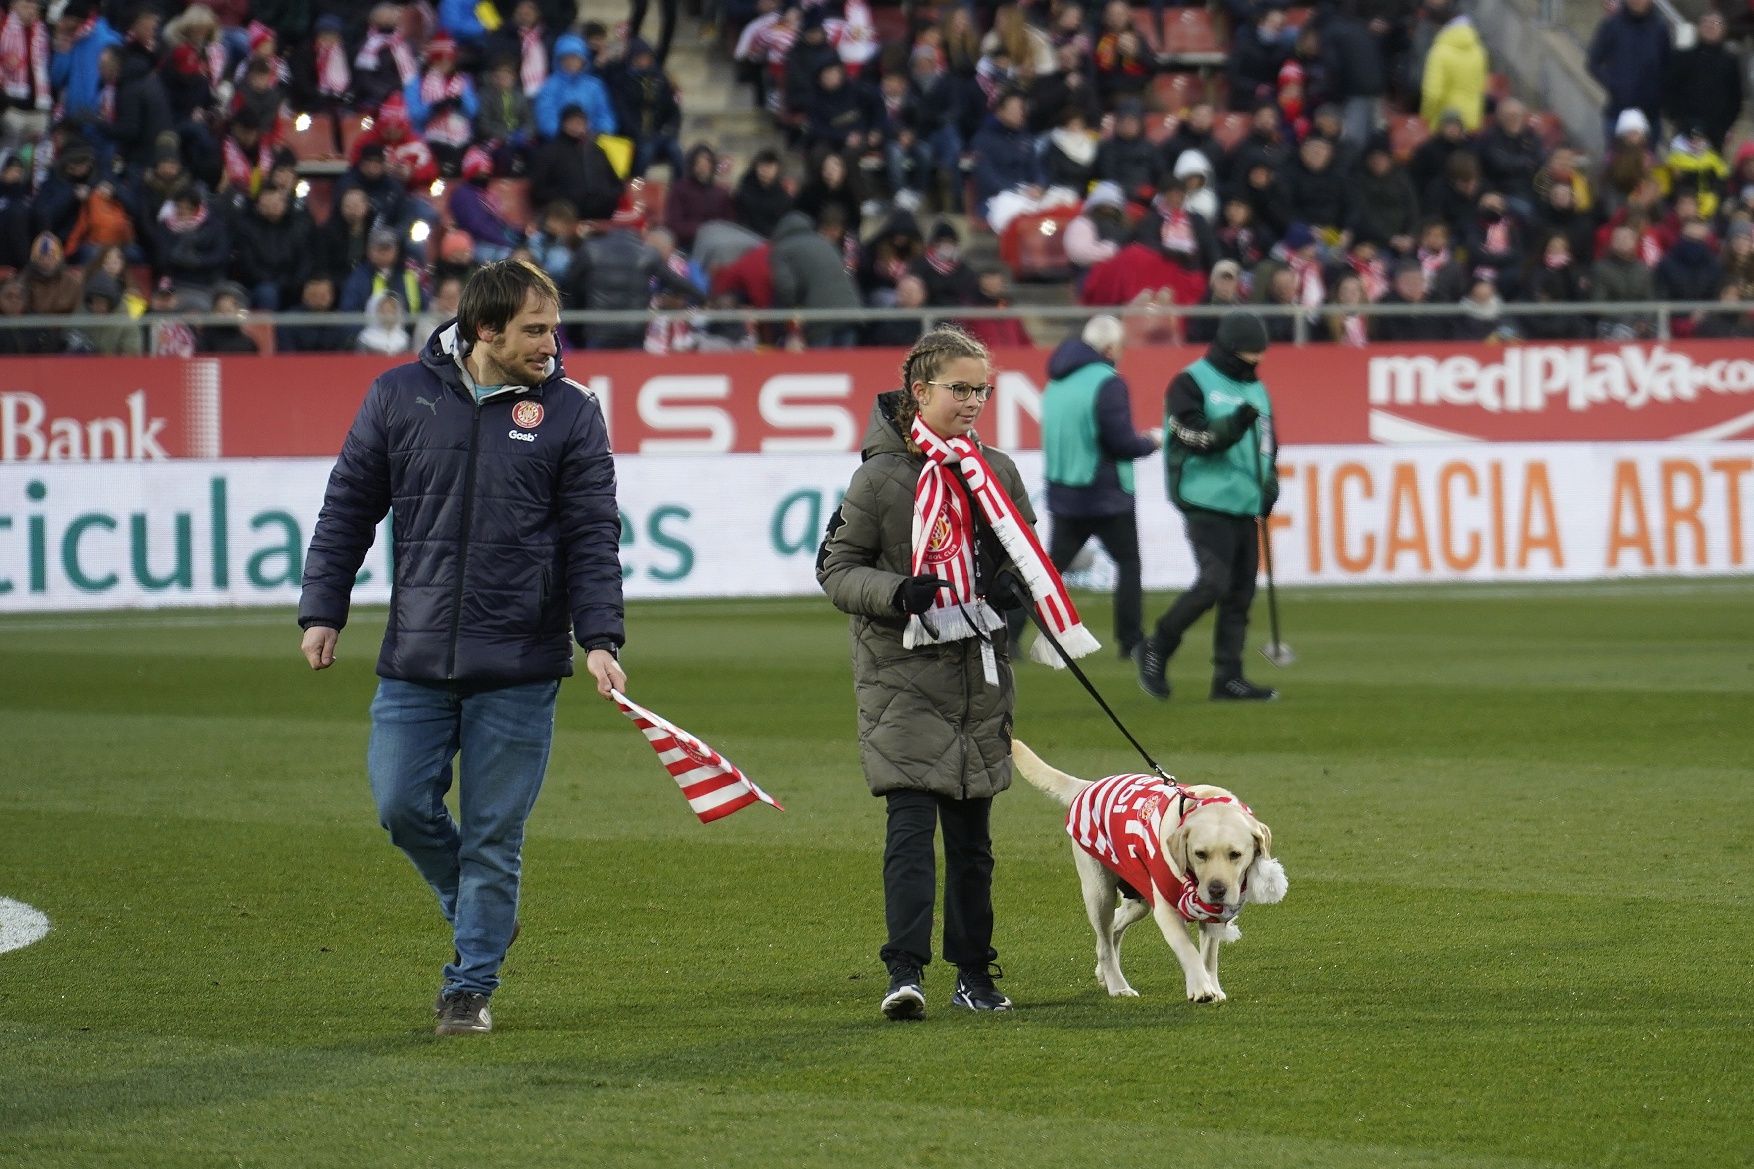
934, 721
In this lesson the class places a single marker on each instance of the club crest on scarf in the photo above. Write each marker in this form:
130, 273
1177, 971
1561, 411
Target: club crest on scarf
943, 538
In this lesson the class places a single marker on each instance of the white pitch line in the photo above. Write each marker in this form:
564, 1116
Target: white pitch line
20, 925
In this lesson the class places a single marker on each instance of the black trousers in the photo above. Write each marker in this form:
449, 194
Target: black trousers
910, 879
666, 25
1119, 536
1226, 552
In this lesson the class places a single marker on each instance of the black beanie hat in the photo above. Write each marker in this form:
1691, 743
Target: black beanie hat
1242, 333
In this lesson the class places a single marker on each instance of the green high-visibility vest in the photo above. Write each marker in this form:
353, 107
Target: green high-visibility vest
1068, 425
1228, 480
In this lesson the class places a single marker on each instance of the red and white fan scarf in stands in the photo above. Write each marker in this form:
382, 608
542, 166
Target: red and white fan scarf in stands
1111, 820
532, 61
24, 62
715, 787
334, 78
943, 545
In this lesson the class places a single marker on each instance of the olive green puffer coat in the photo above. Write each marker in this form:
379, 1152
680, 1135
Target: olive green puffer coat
928, 720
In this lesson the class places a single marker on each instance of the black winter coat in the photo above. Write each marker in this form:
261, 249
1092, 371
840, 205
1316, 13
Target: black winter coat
505, 548
273, 252
575, 172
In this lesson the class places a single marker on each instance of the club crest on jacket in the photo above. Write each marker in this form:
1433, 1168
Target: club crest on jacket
527, 415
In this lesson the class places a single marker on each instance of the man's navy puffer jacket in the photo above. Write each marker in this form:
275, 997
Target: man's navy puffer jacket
505, 525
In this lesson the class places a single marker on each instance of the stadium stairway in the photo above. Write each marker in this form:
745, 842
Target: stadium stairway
715, 108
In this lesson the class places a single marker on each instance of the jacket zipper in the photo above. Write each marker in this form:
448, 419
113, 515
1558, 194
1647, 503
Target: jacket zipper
463, 539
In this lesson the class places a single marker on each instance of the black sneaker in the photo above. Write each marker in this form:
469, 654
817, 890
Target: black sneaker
905, 999
1153, 669
975, 989
463, 1012
1241, 690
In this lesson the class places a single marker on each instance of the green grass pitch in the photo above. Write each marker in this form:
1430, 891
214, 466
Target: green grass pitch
1517, 823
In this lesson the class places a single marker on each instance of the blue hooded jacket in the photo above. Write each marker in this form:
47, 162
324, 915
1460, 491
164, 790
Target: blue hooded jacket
583, 89
506, 529
74, 74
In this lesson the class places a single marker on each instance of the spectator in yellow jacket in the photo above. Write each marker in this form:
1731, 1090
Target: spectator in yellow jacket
1695, 167
1455, 75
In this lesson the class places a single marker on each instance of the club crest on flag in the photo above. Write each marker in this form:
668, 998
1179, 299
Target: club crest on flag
527, 415
713, 785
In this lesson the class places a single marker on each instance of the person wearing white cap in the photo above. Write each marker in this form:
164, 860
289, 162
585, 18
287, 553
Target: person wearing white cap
1629, 56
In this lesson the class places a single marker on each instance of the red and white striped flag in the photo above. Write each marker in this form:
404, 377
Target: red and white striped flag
715, 787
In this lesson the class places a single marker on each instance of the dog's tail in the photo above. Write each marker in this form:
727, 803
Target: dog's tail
1052, 780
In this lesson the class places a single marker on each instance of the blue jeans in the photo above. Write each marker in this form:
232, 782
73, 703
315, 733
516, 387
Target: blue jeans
501, 737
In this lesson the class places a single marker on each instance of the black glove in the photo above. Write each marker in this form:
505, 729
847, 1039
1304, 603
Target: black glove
916, 593
1245, 417
1269, 497
1006, 591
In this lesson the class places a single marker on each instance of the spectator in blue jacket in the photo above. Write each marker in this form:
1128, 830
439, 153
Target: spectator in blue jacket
73, 69
474, 209
1629, 56
571, 84
459, 18
1005, 155
482, 445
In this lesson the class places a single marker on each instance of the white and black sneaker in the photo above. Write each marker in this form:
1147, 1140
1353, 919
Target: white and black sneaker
905, 1000
463, 1012
975, 990
1241, 690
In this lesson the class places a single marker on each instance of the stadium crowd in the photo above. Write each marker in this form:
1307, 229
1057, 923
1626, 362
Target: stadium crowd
157, 162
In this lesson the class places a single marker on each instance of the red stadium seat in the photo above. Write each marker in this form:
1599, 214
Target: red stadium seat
1145, 24
1034, 248
351, 127
1298, 17
1191, 31
1497, 86
317, 142
1406, 132
1230, 128
891, 25
1159, 128
1172, 93
262, 333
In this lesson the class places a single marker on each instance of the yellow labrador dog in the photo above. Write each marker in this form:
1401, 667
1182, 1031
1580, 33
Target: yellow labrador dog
1186, 854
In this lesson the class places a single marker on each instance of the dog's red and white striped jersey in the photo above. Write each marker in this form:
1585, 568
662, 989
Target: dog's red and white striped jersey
1110, 820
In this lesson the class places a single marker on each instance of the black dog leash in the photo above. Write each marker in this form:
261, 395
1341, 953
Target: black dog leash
982, 528
1084, 679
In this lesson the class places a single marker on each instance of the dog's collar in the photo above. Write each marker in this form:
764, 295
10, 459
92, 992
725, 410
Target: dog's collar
1188, 803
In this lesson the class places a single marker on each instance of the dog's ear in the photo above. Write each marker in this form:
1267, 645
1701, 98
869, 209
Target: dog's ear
1266, 876
1175, 846
1263, 839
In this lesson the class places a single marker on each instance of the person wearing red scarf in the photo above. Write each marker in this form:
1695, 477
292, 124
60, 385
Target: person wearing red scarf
913, 557
24, 74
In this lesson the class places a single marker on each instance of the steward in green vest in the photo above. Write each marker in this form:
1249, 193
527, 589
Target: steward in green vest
1090, 444
1219, 455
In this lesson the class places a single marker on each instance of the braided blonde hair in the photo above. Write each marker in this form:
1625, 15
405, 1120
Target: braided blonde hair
926, 360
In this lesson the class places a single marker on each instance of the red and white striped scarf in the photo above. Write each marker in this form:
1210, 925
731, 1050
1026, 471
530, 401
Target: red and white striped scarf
1312, 289
240, 170
378, 42
451, 127
944, 545
172, 339
1120, 821
1355, 331
715, 787
215, 57
24, 62
334, 78
533, 60
1373, 274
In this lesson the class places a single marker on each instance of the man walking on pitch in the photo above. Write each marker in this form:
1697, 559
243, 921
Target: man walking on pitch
1090, 443
497, 471
1220, 452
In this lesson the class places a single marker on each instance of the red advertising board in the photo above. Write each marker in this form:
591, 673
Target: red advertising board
75, 409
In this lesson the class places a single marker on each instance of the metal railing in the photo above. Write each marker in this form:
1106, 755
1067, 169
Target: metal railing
1659, 314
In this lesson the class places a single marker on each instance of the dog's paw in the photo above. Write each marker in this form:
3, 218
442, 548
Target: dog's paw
1122, 992
1205, 991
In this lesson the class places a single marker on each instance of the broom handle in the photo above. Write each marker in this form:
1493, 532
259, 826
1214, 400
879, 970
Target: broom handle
1266, 541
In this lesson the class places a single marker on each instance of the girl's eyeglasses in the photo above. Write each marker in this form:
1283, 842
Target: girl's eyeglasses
962, 390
